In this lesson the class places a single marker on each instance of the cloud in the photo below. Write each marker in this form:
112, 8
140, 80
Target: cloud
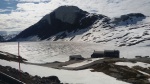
27, 1
25, 15
4, 10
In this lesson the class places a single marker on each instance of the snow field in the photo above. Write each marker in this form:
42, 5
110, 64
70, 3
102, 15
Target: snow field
65, 76
46, 51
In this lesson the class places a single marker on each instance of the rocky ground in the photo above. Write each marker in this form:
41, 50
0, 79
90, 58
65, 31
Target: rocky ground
132, 75
11, 57
124, 73
27, 78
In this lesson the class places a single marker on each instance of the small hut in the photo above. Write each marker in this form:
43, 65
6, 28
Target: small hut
138, 56
112, 53
97, 54
106, 53
146, 57
76, 57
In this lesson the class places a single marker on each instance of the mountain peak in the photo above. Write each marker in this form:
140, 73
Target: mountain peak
68, 14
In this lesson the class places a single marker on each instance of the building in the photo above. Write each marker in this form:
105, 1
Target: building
112, 53
97, 54
138, 56
106, 53
76, 57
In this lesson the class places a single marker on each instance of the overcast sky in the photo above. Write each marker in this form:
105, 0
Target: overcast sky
16, 15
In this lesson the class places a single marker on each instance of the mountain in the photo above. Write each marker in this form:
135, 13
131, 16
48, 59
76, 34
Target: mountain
1, 39
64, 18
70, 23
7, 35
3, 33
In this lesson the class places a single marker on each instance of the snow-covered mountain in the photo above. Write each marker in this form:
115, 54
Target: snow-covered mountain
7, 35
70, 23
64, 18
125, 30
109, 21
1, 38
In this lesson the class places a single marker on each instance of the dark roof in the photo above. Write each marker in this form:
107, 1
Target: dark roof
76, 56
98, 52
110, 50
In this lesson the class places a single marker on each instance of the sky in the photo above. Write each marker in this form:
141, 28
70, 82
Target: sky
17, 15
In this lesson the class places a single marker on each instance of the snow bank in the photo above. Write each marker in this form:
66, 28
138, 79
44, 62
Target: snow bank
82, 63
65, 76
144, 73
129, 64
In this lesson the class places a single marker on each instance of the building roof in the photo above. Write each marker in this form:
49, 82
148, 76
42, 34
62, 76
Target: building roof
76, 56
98, 52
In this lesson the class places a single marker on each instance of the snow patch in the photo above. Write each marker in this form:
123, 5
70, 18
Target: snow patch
82, 63
129, 64
144, 73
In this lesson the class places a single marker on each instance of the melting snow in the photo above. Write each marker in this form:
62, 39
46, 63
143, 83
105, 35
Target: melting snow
65, 76
129, 64
82, 63
144, 73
